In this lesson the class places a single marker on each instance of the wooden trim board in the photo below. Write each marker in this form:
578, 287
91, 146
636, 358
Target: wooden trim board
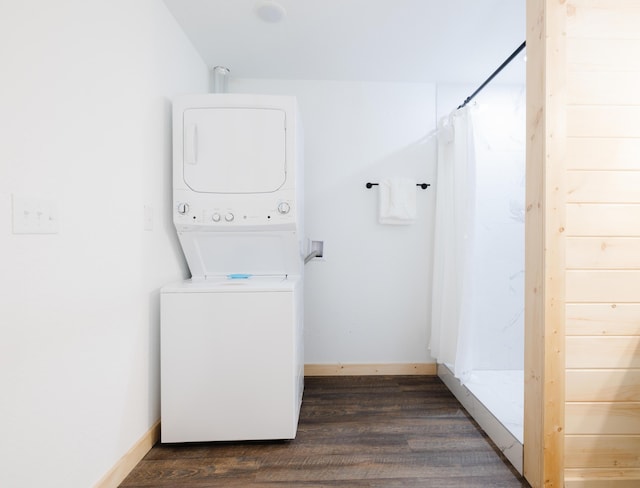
370, 369
545, 252
125, 465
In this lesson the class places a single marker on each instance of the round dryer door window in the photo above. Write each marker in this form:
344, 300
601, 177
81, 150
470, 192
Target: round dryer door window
234, 150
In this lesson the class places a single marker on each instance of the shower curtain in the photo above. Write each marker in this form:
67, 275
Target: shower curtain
452, 309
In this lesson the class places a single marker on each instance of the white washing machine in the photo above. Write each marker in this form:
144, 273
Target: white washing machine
232, 363
231, 359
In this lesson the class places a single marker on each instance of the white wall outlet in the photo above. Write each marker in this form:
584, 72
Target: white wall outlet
34, 215
148, 217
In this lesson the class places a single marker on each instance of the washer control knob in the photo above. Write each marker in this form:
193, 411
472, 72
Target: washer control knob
229, 217
283, 208
183, 208
215, 217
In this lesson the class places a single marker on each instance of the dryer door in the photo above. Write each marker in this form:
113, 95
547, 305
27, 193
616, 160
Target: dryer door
234, 150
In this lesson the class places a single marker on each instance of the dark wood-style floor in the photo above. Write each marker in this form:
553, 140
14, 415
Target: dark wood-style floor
358, 431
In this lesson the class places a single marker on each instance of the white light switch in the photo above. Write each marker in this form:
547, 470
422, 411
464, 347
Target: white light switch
34, 216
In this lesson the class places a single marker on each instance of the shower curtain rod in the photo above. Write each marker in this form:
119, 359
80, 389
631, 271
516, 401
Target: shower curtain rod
493, 75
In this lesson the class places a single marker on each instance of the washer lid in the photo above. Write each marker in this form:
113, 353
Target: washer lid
222, 284
234, 150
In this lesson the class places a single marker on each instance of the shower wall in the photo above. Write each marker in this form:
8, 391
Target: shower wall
498, 283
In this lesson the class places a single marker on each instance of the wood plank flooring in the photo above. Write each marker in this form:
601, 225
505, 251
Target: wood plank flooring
354, 431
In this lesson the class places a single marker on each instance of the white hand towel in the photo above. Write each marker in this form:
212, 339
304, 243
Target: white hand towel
397, 199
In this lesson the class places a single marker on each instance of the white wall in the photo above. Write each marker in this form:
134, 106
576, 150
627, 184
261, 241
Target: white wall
85, 122
368, 301
498, 286
84, 118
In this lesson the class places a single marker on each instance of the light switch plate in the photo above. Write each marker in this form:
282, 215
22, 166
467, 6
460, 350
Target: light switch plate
34, 215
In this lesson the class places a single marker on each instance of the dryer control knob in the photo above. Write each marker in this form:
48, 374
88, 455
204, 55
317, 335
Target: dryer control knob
229, 217
283, 208
215, 217
183, 208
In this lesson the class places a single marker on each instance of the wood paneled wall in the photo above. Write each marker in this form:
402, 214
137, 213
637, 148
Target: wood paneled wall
602, 239
582, 361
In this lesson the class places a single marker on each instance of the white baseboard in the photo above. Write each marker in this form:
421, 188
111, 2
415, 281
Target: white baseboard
370, 369
125, 465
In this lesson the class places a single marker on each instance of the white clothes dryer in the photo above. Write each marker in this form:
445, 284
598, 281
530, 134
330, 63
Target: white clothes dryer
237, 175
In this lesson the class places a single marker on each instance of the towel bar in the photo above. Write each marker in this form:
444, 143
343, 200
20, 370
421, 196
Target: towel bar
424, 186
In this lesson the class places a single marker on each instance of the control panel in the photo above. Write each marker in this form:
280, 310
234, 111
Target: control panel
231, 215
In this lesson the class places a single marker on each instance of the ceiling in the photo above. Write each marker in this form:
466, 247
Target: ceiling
459, 41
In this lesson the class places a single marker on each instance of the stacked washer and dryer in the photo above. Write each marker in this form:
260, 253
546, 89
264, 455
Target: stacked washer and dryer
231, 336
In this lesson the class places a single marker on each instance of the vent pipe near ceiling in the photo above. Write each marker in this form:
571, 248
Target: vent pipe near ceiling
220, 79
